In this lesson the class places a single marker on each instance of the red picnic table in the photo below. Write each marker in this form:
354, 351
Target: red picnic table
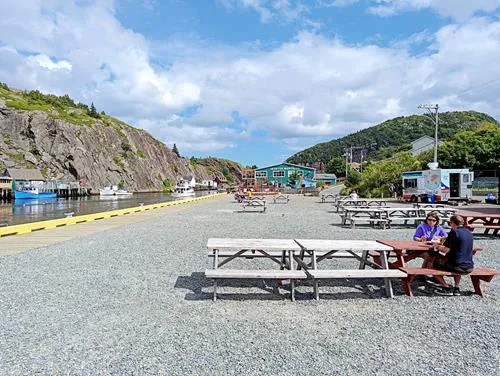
407, 250
488, 221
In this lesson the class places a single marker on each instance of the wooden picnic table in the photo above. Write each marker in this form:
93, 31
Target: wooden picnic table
254, 205
297, 259
321, 249
372, 215
329, 196
407, 250
280, 251
486, 221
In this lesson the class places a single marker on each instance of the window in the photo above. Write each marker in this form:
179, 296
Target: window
278, 174
465, 178
410, 183
261, 174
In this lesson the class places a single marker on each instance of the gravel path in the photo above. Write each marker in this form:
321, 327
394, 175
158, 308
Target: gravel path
134, 301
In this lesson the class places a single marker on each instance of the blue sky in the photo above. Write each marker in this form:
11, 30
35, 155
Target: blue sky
255, 80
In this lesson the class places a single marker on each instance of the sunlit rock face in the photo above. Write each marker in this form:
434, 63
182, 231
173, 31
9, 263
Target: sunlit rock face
97, 154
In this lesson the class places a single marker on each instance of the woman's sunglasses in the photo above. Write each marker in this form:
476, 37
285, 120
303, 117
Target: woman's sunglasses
432, 219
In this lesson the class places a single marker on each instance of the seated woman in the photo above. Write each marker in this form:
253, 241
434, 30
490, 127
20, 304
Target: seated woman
430, 230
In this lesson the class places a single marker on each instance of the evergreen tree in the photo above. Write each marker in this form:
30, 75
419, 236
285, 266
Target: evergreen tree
175, 150
93, 112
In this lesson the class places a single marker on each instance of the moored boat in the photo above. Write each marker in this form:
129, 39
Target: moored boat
183, 189
28, 192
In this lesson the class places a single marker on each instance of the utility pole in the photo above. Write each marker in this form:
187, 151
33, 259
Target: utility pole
434, 116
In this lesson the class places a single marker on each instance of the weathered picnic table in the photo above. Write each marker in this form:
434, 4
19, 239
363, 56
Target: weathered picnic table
341, 204
280, 251
330, 197
321, 249
254, 205
372, 215
297, 260
281, 199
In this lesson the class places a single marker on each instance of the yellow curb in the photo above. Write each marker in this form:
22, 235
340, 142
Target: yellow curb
53, 223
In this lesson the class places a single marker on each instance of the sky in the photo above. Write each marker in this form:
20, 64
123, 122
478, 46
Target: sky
255, 81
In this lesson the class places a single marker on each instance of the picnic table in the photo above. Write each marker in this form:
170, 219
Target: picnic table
407, 250
280, 251
331, 197
254, 205
486, 221
283, 199
421, 205
372, 215
321, 249
297, 260
342, 204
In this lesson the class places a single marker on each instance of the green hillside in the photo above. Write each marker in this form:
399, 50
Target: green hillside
394, 135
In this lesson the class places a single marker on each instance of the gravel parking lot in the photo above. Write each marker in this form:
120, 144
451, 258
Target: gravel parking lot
134, 301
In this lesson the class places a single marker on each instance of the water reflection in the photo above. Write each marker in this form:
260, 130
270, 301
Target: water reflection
33, 210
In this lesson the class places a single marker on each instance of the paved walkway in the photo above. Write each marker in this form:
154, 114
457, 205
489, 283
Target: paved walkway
11, 245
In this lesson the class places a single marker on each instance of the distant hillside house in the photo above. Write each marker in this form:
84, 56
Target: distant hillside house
190, 180
209, 183
355, 165
280, 175
327, 178
422, 144
248, 177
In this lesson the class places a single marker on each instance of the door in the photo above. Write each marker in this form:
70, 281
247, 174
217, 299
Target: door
454, 185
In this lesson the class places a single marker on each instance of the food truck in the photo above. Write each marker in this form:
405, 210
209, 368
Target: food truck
438, 185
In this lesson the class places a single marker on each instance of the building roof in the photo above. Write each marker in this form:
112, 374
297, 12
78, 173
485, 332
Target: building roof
24, 174
423, 138
325, 176
288, 164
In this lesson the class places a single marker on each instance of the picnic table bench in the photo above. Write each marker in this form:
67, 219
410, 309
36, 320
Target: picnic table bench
254, 205
329, 197
477, 275
478, 220
283, 199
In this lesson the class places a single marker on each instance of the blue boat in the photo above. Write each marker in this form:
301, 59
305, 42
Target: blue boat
30, 193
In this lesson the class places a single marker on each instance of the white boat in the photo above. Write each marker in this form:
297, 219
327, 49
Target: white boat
122, 192
114, 191
106, 191
183, 189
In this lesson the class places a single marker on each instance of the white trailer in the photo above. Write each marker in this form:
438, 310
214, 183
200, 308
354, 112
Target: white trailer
439, 185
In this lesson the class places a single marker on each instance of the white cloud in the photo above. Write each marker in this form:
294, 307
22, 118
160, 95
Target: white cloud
46, 62
460, 10
270, 10
311, 88
336, 3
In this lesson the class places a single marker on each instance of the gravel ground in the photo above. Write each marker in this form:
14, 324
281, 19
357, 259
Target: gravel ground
134, 301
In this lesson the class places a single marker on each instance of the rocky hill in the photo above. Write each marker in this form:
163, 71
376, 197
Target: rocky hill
69, 141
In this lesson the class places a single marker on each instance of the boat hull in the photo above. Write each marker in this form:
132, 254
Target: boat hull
31, 195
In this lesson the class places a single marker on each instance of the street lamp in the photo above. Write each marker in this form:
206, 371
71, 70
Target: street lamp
435, 118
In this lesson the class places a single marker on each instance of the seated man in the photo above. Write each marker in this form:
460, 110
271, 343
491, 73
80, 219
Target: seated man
458, 255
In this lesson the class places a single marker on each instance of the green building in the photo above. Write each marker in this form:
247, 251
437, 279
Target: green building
281, 174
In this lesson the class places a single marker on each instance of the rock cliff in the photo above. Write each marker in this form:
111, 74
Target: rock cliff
65, 143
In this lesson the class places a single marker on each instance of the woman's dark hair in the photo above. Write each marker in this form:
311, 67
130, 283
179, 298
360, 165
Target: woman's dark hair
434, 215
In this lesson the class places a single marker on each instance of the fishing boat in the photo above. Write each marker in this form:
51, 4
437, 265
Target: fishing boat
113, 191
122, 192
28, 192
183, 189
106, 191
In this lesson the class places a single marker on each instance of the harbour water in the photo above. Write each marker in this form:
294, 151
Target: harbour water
27, 211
